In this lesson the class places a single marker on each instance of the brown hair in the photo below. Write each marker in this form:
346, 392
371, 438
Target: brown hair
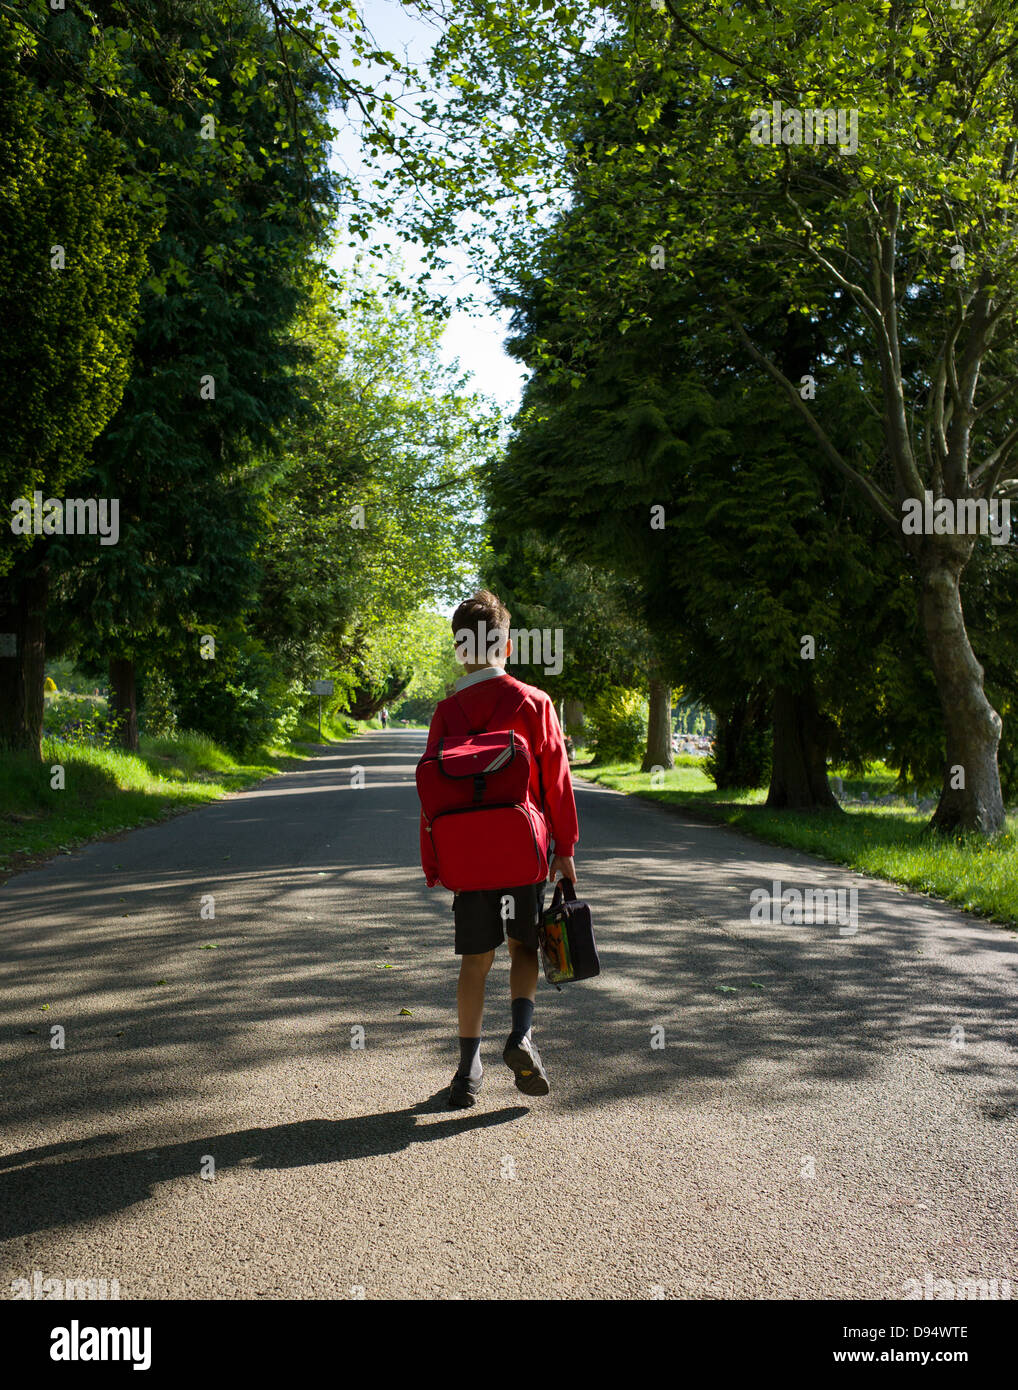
475, 620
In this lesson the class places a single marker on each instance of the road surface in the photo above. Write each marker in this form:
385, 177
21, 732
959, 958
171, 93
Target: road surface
738, 1109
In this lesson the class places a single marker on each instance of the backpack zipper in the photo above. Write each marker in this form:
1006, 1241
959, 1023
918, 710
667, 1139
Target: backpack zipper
500, 760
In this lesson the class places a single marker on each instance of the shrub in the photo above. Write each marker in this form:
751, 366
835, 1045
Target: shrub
238, 698
616, 722
157, 715
80, 719
740, 757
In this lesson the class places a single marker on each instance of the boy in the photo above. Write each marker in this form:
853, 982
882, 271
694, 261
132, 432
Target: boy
480, 626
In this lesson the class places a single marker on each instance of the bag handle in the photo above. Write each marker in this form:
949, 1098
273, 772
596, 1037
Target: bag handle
564, 891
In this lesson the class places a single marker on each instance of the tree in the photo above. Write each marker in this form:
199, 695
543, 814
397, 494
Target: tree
374, 503
592, 616
217, 374
220, 110
73, 241
428, 642
921, 209
670, 464
929, 204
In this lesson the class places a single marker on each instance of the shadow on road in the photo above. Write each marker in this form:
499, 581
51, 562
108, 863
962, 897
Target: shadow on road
317, 890
36, 1194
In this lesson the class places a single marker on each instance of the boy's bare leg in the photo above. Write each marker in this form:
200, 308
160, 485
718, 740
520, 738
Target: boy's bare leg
522, 970
470, 992
470, 1006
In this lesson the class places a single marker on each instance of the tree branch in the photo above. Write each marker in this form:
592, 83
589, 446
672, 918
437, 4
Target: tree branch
877, 499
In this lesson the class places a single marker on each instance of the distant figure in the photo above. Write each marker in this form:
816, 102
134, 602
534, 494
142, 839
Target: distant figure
385, 718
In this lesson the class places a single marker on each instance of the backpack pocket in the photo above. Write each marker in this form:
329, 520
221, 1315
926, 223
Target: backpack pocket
481, 847
484, 769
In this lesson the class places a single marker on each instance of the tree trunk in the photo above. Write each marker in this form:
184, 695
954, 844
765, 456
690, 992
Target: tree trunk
24, 593
123, 702
572, 711
659, 728
800, 732
972, 726
799, 767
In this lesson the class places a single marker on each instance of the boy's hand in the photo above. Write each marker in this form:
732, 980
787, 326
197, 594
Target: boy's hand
562, 864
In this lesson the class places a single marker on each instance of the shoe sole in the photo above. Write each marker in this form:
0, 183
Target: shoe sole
529, 1081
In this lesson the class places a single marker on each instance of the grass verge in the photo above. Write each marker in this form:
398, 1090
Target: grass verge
107, 791
885, 841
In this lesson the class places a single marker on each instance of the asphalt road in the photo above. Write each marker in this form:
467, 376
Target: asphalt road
738, 1109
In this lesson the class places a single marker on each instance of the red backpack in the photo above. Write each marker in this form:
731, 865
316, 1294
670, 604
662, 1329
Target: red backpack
475, 793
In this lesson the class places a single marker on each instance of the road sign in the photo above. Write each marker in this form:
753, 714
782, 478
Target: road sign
321, 688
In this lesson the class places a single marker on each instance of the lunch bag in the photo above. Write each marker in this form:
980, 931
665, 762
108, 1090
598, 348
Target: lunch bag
566, 937
486, 830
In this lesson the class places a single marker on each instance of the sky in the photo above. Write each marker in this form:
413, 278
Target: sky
474, 340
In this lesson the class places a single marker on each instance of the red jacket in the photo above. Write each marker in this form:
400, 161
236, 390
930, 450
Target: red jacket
537, 721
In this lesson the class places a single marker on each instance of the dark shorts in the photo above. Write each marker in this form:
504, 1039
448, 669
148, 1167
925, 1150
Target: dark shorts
482, 922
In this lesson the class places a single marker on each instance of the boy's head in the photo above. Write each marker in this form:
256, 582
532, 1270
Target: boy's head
480, 629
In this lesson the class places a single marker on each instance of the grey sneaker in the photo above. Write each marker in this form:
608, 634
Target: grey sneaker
463, 1090
525, 1061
